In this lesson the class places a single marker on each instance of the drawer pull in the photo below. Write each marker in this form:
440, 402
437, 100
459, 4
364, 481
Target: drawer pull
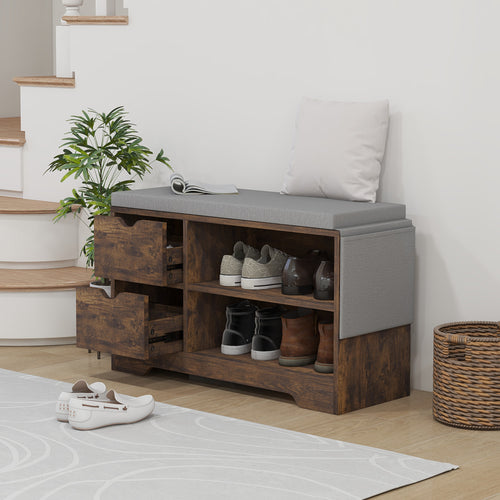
168, 337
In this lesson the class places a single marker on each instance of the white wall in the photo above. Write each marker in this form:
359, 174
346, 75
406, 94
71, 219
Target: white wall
217, 84
87, 9
25, 47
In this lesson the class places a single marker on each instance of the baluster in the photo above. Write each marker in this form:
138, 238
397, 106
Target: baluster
72, 8
63, 56
105, 7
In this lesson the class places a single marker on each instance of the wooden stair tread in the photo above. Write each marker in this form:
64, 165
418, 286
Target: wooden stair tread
100, 20
45, 81
44, 279
10, 205
10, 132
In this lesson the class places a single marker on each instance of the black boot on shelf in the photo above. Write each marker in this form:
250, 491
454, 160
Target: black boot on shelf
267, 338
240, 326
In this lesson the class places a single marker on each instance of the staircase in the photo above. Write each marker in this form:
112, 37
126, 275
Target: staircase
38, 278
39, 259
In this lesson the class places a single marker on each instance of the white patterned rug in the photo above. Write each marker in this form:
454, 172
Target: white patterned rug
180, 454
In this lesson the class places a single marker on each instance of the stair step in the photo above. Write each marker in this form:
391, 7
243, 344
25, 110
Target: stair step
10, 132
28, 280
38, 317
45, 81
11, 168
102, 20
10, 205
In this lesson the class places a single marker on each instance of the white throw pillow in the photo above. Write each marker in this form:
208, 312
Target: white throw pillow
338, 150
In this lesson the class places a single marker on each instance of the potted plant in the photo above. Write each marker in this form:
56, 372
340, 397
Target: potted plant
104, 153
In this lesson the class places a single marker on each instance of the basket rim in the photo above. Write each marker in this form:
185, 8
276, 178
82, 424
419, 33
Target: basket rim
454, 323
470, 337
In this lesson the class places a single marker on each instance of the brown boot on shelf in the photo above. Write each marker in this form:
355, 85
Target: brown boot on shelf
324, 361
299, 344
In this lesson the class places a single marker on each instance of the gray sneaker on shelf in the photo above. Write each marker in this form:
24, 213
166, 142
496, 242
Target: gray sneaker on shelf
265, 272
231, 265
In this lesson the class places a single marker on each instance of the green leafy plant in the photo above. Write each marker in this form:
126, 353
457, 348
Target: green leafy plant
103, 152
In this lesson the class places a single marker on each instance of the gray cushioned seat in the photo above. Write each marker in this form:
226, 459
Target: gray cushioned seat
264, 206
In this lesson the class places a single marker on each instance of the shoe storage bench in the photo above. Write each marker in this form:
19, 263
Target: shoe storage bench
162, 253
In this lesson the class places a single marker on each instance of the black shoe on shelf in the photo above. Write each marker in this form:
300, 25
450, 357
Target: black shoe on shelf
240, 326
267, 338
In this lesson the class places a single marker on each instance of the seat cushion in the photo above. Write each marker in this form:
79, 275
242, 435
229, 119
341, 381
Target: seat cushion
264, 206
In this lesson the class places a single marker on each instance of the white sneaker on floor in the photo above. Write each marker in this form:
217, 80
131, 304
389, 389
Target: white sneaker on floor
118, 409
80, 390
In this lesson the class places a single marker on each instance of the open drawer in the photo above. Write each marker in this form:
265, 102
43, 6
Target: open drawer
140, 253
127, 325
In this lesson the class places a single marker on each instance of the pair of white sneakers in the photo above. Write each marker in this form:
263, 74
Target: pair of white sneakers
251, 269
90, 406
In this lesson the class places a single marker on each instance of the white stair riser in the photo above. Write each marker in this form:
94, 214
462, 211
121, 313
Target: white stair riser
38, 318
11, 194
11, 173
36, 238
63, 56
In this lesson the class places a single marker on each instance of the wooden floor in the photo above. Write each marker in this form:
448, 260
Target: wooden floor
405, 425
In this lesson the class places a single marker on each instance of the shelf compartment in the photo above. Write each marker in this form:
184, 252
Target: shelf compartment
273, 295
127, 325
140, 253
309, 388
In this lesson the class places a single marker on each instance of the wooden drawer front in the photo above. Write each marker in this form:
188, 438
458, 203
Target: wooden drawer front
136, 253
127, 325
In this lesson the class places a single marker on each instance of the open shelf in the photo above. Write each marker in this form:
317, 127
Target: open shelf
271, 295
309, 388
270, 366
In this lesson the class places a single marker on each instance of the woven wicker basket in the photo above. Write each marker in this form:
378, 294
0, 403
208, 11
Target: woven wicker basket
467, 375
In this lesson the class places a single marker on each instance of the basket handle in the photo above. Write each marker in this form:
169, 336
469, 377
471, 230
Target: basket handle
454, 338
